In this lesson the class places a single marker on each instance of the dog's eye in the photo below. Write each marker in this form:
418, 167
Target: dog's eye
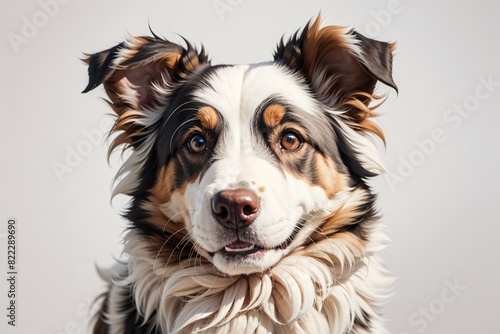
291, 141
197, 143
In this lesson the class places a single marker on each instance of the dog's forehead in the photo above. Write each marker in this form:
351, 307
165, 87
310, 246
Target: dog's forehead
237, 91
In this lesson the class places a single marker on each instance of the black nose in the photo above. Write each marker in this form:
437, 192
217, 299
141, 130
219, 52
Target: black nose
235, 208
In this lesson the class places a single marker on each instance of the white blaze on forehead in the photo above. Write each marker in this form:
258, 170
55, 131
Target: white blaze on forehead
268, 79
237, 91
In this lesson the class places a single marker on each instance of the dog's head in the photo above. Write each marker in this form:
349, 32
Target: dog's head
242, 164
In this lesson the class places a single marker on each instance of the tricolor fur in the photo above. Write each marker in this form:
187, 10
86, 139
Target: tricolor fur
250, 210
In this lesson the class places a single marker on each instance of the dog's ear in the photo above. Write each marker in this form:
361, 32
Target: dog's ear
138, 76
341, 67
336, 61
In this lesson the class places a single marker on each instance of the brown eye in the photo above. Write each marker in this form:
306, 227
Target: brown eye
291, 141
197, 143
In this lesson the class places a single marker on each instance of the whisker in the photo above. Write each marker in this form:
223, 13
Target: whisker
166, 241
178, 128
176, 110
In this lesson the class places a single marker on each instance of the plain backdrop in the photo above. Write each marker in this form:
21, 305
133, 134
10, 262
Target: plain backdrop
439, 200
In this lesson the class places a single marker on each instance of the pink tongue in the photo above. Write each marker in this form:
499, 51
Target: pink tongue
239, 244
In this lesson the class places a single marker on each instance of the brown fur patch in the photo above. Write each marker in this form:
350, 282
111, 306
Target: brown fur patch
316, 36
338, 60
174, 245
163, 188
359, 113
160, 194
155, 216
273, 115
171, 60
327, 175
347, 222
208, 117
339, 219
191, 64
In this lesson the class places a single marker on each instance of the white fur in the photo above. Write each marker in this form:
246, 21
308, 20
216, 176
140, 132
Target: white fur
320, 295
319, 288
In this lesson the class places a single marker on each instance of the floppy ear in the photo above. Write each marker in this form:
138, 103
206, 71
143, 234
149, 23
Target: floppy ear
138, 76
342, 68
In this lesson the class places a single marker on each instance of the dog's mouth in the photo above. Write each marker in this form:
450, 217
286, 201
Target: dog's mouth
244, 254
241, 248
244, 248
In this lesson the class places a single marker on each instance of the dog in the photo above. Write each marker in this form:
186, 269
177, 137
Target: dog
250, 207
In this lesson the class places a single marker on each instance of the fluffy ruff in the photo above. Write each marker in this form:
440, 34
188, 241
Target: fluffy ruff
294, 134
309, 291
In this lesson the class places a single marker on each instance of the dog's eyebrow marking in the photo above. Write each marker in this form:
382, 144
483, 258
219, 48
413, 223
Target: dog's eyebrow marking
208, 117
273, 114
262, 189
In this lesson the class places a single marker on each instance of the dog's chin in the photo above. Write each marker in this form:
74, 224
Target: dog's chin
246, 262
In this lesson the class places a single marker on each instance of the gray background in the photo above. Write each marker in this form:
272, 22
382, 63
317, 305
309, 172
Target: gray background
440, 207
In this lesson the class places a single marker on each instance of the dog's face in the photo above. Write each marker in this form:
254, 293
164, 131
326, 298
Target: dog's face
240, 165
263, 148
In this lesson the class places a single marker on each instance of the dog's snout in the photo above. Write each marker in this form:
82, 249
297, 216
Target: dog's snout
235, 208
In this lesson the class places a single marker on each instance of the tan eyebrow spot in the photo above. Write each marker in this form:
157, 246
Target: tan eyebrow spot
208, 117
273, 115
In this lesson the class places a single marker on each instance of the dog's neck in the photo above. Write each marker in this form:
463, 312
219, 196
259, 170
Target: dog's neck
322, 285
